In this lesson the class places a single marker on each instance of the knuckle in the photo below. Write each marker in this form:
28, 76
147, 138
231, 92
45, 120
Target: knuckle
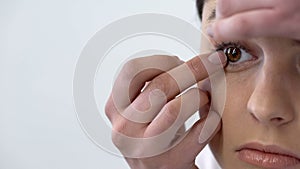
162, 82
176, 58
196, 66
120, 126
117, 134
117, 139
167, 59
130, 68
109, 108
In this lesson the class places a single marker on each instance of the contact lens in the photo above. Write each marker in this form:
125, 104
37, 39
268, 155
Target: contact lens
233, 54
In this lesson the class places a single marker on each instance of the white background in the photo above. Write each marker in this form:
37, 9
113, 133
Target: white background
40, 42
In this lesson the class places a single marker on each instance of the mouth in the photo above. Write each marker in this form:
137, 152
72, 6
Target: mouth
267, 156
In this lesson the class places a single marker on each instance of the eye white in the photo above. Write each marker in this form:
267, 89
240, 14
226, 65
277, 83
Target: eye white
245, 57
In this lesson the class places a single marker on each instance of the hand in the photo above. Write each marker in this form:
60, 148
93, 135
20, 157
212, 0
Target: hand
240, 19
148, 126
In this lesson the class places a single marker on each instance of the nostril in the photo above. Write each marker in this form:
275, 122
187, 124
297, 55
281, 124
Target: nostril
274, 120
254, 117
277, 119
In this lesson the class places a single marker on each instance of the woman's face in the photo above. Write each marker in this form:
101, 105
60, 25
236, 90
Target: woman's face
262, 104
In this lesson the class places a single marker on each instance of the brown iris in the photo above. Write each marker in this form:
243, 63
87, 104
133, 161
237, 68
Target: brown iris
233, 54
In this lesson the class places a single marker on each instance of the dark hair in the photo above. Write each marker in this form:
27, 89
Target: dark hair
200, 4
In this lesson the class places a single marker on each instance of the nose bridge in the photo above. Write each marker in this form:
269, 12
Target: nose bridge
274, 77
270, 100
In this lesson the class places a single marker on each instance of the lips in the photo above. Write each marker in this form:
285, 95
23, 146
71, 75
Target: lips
270, 156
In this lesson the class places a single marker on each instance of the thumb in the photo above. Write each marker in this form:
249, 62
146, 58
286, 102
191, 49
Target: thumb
199, 136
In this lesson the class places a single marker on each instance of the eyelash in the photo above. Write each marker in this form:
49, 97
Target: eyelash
235, 66
224, 45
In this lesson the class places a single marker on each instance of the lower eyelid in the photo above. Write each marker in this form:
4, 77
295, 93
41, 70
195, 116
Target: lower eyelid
243, 66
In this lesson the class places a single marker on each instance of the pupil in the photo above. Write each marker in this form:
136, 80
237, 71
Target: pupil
233, 54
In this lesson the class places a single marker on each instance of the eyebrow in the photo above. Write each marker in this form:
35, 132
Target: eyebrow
212, 15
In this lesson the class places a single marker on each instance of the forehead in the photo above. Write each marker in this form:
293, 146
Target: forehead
208, 13
210, 2
208, 8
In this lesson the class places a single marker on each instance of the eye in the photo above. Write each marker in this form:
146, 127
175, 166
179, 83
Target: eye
233, 54
239, 57
236, 55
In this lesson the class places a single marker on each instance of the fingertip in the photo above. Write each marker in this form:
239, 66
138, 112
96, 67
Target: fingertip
217, 29
210, 31
223, 31
179, 61
231, 29
218, 58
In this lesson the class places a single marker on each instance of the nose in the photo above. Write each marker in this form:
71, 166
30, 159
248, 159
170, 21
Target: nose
270, 102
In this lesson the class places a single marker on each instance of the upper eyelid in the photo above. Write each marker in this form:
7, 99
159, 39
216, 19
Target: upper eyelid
223, 45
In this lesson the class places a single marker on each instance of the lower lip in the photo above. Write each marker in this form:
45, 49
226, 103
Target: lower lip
267, 160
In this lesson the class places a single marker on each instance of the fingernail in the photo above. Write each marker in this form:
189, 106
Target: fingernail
210, 31
217, 58
211, 124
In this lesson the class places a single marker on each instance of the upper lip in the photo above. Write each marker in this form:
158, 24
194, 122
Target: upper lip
273, 149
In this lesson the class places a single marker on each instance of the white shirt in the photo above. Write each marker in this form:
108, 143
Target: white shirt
206, 160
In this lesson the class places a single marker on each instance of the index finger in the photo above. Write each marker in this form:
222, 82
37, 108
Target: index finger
173, 82
227, 8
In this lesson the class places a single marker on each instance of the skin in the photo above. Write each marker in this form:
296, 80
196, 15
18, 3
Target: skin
259, 14
261, 102
168, 157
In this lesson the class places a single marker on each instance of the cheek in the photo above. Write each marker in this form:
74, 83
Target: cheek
234, 120
239, 90
235, 115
